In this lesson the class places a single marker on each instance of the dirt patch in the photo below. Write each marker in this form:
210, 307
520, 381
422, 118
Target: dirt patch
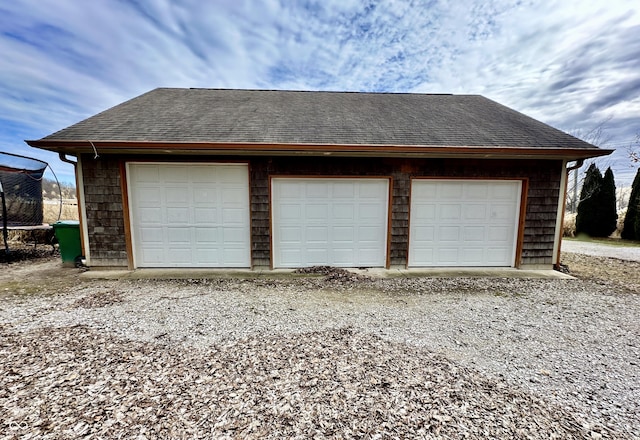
39, 272
334, 274
621, 273
26, 252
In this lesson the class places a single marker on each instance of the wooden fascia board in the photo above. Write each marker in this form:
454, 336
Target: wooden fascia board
262, 149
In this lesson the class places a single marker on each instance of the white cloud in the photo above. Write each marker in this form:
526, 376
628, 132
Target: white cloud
568, 63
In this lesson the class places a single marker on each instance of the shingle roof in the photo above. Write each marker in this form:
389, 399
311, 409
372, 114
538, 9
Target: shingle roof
324, 118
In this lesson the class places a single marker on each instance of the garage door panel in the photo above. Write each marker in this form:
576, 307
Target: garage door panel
204, 196
445, 191
208, 257
234, 216
448, 255
424, 192
202, 175
475, 222
149, 174
233, 236
177, 196
180, 254
423, 233
178, 236
344, 211
192, 215
343, 257
504, 191
497, 255
424, 211
500, 234
369, 234
317, 213
474, 233
502, 212
316, 256
150, 215
475, 212
205, 216
231, 195
152, 235
476, 191
344, 221
206, 236
149, 196
449, 233
372, 190
450, 212
290, 234
177, 215
317, 234
344, 234
173, 173
290, 213
343, 191
473, 256
368, 256
317, 191
370, 211
152, 256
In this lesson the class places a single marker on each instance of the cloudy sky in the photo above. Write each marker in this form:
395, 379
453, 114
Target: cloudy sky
574, 64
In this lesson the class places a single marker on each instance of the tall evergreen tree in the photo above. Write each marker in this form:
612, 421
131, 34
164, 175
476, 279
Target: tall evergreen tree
587, 218
608, 213
631, 228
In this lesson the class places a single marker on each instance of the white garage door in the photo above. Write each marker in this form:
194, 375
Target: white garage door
463, 223
189, 215
336, 222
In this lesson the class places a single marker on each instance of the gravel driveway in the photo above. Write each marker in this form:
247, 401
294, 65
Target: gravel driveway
327, 357
628, 253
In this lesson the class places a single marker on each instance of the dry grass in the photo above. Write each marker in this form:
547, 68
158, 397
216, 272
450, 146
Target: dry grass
52, 210
569, 224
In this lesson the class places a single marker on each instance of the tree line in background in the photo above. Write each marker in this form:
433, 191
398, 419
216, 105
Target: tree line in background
631, 229
597, 215
52, 190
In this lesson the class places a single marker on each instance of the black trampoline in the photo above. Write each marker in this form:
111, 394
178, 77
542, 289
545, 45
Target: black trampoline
21, 194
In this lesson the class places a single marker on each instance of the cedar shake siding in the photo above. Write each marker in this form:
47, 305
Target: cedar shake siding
104, 211
105, 219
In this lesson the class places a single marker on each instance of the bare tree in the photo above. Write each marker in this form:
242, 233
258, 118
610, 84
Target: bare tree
633, 149
599, 137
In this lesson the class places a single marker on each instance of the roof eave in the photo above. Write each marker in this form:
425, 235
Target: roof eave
76, 147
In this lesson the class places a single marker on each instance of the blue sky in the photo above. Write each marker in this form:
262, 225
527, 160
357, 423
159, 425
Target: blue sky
573, 64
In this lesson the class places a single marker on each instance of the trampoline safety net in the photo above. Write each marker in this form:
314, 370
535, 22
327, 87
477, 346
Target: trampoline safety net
21, 187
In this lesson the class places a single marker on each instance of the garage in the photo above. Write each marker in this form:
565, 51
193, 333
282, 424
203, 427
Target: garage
464, 223
189, 214
338, 222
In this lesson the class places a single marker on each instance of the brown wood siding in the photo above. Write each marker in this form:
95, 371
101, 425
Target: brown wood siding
105, 220
540, 221
103, 204
260, 213
541, 208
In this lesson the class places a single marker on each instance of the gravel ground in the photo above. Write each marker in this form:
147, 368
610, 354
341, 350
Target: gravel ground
597, 249
337, 356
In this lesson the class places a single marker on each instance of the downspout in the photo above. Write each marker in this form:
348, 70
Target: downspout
5, 234
63, 157
561, 213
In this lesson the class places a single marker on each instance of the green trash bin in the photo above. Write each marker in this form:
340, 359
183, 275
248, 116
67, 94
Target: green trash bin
68, 235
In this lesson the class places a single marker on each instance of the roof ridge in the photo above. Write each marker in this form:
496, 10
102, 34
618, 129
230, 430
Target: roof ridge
315, 91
